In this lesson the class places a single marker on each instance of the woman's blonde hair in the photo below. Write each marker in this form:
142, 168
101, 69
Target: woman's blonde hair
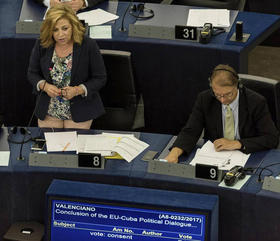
60, 11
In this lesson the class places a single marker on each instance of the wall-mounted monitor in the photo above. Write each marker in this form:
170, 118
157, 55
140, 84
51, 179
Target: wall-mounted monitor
108, 212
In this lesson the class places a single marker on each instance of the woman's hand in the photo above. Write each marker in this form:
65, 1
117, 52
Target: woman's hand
51, 90
71, 91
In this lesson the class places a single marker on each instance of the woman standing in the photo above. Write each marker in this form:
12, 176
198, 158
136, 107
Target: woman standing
68, 68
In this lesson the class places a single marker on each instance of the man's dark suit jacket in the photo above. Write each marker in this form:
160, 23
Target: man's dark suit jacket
87, 68
91, 3
256, 128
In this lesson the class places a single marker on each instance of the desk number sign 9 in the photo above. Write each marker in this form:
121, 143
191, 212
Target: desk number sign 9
186, 32
206, 172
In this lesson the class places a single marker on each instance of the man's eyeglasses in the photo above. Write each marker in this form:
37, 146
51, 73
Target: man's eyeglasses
226, 96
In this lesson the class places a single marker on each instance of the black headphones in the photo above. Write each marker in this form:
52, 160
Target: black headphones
23, 130
140, 12
235, 75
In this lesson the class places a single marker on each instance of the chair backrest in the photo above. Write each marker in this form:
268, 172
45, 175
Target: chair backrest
269, 88
1, 120
119, 94
227, 4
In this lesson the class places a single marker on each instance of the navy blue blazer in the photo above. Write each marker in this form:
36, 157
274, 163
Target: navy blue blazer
87, 68
256, 128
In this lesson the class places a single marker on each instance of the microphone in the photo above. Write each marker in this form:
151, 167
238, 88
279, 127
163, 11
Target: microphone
20, 157
122, 28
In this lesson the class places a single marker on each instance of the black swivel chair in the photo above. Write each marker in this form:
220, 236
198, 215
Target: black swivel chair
119, 94
1, 120
269, 88
227, 4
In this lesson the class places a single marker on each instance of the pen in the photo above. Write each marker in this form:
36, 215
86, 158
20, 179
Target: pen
65, 147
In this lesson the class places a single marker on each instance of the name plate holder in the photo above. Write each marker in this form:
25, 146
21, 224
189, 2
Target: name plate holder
188, 171
89, 161
28, 27
177, 32
271, 184
146, 31
172, 169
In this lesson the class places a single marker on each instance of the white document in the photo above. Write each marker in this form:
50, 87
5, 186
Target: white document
118, 135
100, 144
61, 141
81, 145
130, 147
218, 17
4, 158
97, 17
224, 160
108, 144
100, 32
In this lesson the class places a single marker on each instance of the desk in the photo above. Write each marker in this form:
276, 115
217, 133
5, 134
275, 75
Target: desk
169, 73
242, 214
22, 192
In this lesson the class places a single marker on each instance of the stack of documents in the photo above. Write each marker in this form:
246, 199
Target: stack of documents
224, 160
112, 145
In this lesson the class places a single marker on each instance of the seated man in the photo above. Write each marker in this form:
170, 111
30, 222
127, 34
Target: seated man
233, 118
74, 4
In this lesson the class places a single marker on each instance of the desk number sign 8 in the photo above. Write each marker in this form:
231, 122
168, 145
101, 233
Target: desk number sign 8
185, 32
206, 171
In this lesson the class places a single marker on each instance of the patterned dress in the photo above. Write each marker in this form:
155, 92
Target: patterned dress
61, 76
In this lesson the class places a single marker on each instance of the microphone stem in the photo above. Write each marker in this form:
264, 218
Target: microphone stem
21, 158
29, 123
122, 28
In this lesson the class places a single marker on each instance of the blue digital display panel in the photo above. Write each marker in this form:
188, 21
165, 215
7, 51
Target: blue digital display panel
72, 221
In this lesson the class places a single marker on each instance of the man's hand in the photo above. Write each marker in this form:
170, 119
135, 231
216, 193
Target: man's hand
174, 155
225, 144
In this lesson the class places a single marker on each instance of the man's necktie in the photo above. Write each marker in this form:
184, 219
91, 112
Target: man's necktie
229, 124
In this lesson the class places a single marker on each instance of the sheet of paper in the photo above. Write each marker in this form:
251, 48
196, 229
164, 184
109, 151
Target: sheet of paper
81, 144
130, 147
100, 32
4, 158
61, 141
225, 160
208, 149
100, 143
119, 135
218, 17
112, 145
97, 17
